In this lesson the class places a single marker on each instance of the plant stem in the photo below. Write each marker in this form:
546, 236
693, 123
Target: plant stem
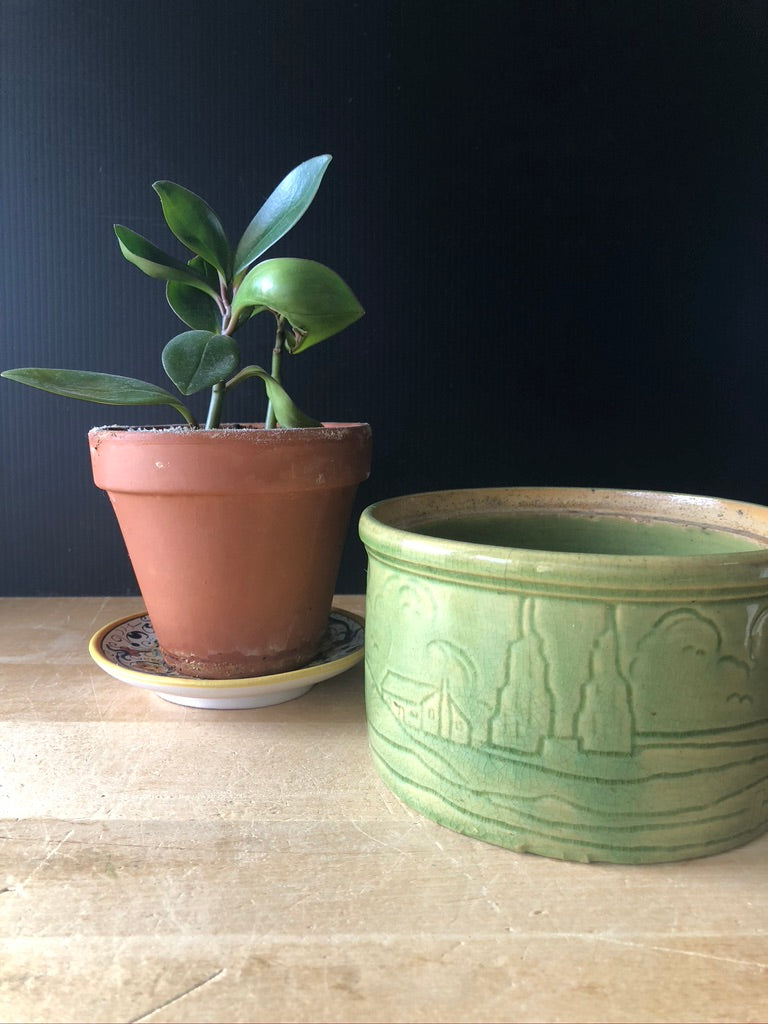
225, 308
277, 351
190, 419
214, 409
213, 419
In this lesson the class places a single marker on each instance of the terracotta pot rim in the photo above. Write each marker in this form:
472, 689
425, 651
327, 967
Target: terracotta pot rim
223, 461
225, 430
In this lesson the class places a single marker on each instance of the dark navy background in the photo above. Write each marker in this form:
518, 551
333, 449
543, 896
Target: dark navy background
554, 213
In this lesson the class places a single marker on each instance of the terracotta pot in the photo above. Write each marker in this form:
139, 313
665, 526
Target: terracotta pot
235, 536
572, 672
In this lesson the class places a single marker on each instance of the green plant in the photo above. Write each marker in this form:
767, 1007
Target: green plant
215, 293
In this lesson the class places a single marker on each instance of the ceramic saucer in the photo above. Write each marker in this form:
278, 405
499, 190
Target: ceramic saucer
127, 649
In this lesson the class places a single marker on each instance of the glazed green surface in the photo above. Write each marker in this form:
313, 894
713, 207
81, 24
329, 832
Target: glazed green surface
535, 689
609, 535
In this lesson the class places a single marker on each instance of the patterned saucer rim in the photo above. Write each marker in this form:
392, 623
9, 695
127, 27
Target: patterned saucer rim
317, 671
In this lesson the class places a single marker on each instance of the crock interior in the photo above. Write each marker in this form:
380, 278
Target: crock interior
582, 521
589, 534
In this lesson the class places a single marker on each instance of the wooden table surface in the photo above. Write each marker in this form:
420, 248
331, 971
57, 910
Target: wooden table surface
159, 863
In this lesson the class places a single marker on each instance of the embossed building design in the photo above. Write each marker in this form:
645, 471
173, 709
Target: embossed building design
683, 643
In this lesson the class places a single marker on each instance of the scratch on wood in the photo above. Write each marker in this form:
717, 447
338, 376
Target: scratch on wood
51, 853
361, 830
176, 999
96, 617
683, 952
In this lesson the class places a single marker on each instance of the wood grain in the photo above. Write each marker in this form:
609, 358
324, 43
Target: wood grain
163, 864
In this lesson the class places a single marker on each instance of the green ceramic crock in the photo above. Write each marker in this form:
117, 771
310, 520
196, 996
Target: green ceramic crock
577, 673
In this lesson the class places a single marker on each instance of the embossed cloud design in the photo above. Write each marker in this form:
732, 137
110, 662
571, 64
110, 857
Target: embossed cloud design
686, 646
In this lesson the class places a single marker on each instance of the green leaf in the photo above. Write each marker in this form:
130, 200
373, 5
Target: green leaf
311, 297
287, 412
197, 309
156, 263
195, 224
206, 271
102, 388
199, 359
281, 211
